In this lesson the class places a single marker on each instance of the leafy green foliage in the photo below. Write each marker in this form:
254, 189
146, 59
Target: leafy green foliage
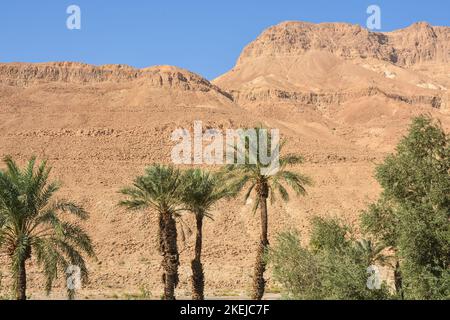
372, 253
413, 214
328, 235
381, 219
31, 223
333, 266
295, 267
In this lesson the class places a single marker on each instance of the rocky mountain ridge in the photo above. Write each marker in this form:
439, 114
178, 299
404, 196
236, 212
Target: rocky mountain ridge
415, 44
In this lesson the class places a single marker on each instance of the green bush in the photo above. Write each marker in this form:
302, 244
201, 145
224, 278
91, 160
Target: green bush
410, 221
328, 235
412, 216
295, 267
332, 267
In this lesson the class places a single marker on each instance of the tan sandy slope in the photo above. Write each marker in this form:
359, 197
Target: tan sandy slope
342, 96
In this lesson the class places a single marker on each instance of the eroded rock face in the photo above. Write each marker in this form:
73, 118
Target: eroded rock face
332, 63
326, 99
24, 75
420, 42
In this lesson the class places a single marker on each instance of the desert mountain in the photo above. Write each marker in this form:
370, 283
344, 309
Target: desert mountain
344, 73
326, 64
342, 95
418, 43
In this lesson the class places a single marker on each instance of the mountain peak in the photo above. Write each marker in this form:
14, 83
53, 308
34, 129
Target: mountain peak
351, 41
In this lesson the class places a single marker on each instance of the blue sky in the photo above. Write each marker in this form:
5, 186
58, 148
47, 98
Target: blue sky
203, 36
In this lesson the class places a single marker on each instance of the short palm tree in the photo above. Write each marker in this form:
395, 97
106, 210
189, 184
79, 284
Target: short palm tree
265, 182
31, 224
201, 191
160, 189
373, 253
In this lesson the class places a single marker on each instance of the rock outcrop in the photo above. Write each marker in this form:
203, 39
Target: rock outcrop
418, 43
331, 63
25, 75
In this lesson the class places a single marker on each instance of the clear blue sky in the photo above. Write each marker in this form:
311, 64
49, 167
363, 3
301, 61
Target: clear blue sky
204, 36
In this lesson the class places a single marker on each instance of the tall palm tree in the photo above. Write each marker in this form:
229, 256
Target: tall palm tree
201, 191
265, 182
31, 223
160, 189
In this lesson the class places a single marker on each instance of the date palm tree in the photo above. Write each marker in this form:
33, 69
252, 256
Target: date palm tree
265, 182
372, 252
160, 189
31, 224
201, 191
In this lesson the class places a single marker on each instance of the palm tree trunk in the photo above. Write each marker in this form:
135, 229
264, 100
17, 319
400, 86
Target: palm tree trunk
398, 279
170, 255
21, 281
198, 277
259, 283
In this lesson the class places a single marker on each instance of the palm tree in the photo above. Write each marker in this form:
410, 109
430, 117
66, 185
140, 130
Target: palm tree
372, 253
31, 223
160, 189
265, 182
201, 191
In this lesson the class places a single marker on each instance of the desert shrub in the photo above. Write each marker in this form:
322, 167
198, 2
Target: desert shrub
295, 267
328, 235
331, 267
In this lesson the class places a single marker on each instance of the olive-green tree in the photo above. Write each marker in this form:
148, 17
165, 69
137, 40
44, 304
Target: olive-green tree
332, 266
413, 213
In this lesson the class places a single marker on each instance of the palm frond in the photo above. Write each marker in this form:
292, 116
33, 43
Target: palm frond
296, 181
249, 191
31, 223
72, 208
256, 205
257, 174
202, 190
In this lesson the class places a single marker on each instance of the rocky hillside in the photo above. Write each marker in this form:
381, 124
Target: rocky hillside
418, 43
333, 63
342, 96
25, 75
